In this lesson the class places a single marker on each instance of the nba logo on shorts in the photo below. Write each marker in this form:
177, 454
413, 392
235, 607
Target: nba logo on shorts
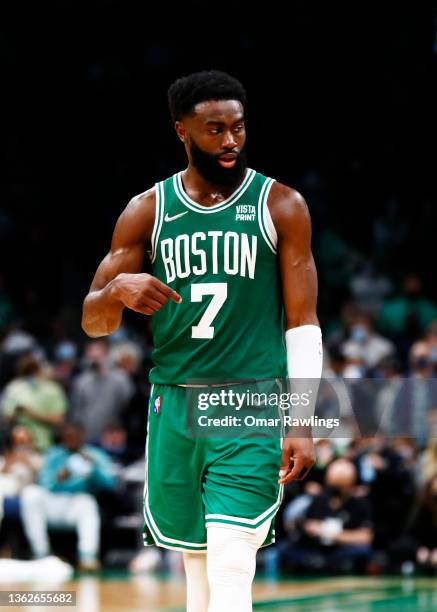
157, 404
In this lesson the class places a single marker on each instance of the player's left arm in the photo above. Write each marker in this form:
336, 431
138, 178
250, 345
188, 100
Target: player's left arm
292, 222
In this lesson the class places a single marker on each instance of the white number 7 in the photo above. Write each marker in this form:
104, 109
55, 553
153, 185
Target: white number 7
219, 291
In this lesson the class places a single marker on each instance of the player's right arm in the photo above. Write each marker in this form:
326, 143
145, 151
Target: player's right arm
118, 282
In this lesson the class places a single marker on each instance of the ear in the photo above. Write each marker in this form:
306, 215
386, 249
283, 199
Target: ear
181, 131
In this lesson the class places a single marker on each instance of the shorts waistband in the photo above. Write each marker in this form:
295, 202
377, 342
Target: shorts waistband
213, 385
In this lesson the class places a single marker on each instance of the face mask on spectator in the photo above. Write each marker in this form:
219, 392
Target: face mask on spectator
420, 363
333, 491
91, 364
359, 333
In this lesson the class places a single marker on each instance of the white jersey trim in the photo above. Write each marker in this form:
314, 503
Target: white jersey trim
269, 236
192, 205
268, 221
159, 217
249, 522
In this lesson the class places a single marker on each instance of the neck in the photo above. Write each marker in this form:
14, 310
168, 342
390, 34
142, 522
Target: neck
201, 190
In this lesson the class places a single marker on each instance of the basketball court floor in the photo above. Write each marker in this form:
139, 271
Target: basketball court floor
123, 592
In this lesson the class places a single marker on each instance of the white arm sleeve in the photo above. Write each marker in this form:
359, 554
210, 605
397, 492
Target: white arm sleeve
304, 351
304, 364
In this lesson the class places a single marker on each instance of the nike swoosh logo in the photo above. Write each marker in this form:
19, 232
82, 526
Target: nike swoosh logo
167, 218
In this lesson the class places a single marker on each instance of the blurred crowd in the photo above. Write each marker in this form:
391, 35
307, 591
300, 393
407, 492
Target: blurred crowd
73, 430
73, 418
370, 502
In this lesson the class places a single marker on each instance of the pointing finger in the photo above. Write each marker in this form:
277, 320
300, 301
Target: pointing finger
167, 291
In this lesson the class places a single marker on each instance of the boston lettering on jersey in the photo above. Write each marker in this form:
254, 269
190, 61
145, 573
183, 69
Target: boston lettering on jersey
230, 252
222, 260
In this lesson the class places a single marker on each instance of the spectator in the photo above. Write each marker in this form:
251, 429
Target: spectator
334, 397
369, 288
339, 335
100, 394
365, 343
325, 454
387, 388
418, 542
405, 447
354, 366
65, 353
21, 463
423, 526
34, 402
113, 442
426, 467
127, 356
431, 340
19, 467
71, 474
298, 498
384, 472
416, 402
336, 532
16, 343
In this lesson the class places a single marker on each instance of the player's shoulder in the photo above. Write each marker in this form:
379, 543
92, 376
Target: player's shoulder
140, 208
137, 218
286, 203
144, 200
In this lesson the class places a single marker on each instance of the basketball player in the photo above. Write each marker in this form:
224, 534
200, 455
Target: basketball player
232, 296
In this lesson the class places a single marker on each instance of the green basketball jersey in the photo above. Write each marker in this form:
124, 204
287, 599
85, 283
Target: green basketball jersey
222, 261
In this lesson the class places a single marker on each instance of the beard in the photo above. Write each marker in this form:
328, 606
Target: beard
208, 166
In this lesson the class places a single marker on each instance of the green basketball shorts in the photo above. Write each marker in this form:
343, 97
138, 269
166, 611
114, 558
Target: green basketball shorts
193, 482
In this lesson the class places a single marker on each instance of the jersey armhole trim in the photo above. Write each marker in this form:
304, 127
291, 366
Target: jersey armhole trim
268, 221
159, 217
266, 225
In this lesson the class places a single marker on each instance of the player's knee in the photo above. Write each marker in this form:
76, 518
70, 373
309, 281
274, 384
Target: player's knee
234, 556
239, 558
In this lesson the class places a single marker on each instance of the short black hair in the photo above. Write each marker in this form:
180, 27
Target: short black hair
186, 92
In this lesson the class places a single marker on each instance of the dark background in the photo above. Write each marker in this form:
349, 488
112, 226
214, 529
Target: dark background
342, 101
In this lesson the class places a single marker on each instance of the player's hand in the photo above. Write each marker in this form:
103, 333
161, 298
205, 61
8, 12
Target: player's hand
143, 292
298, 457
